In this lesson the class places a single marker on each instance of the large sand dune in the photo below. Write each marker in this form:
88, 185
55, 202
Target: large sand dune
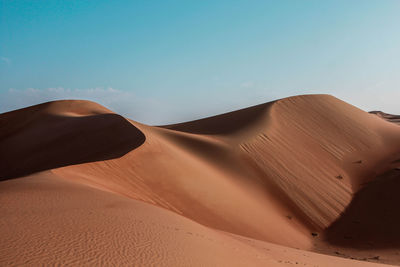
268, 185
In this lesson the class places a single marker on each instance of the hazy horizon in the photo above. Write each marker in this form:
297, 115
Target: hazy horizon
173, 61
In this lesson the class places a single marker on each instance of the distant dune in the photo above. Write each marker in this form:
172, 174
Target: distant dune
386, 116
306, 180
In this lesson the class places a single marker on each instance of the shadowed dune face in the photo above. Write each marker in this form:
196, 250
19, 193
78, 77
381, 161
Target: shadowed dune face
223, 124
59, 222
293, 172
372, 219
318, 150
45, 141
279, 162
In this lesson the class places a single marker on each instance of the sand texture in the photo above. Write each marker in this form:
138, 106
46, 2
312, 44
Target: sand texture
306, 180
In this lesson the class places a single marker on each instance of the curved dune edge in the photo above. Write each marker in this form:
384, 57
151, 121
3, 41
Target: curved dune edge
62, 133
286, 172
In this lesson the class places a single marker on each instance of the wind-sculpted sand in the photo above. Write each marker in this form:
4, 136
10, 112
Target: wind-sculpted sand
306, 180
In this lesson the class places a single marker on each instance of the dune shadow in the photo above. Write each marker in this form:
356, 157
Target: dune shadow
33, 144
226, 123
372, 219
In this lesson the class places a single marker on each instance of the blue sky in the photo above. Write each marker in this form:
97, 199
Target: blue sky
169, 61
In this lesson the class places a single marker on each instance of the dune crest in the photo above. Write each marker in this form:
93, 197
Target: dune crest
63, 133
288, 172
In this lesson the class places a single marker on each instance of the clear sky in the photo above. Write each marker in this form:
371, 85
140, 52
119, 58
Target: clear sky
169, 61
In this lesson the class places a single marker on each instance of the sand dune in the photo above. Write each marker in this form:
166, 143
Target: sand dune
60, 222
261, 186
62, 133
386, 116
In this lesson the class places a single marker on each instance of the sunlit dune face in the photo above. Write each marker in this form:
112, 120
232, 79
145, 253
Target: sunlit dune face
268, 185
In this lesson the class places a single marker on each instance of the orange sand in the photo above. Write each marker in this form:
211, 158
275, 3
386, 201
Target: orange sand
262, 186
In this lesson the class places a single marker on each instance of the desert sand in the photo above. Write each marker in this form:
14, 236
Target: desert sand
306, 180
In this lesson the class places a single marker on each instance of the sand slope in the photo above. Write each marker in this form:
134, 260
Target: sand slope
62, 133
60, 222
291, 172
386, 116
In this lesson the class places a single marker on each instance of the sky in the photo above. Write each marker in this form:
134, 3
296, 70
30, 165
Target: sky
161, 62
